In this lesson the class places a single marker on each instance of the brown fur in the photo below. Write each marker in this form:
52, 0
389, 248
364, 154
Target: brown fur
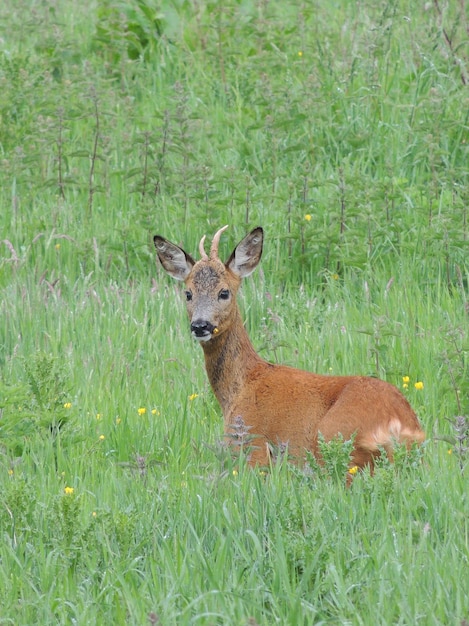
279, 404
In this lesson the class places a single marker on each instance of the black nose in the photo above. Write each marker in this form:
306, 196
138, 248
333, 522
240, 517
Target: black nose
201, 328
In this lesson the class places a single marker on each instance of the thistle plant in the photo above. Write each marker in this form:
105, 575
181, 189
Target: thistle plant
460, 439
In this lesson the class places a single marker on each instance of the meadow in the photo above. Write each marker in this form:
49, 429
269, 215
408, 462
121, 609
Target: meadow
343, 129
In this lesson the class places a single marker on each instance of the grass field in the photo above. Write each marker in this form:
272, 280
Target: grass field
343, 129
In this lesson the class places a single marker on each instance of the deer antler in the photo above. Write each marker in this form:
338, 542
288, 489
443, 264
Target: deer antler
215, 242
203, 254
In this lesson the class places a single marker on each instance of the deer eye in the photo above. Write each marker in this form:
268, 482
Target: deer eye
224, 294
188, 295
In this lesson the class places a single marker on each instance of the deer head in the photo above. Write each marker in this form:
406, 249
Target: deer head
211, 285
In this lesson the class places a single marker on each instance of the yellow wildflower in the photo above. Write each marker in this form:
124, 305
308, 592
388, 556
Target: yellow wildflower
193, 396
142, 411
155, 412
98, 416
93, 514
308, 217
69, 491
405, 385
406, 379
235, 472
450, 451
67, 405
300, 53
102, 437
353, 470
419, 385
10, 472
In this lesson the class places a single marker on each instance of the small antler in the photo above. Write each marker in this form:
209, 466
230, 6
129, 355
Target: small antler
203, 254
215, 242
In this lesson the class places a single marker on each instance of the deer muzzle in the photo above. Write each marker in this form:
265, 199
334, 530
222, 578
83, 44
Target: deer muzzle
203, 330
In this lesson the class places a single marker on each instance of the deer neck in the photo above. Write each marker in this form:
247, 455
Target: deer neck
228, 360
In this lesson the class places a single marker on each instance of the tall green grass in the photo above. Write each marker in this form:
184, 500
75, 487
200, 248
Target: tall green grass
343, 130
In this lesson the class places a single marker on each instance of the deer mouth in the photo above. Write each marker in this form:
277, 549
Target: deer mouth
204, 337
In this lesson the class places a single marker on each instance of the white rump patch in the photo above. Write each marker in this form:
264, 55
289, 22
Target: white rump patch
385, 436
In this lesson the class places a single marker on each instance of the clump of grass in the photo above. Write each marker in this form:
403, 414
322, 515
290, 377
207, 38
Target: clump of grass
49, 392
67, 523
18, 504
38, 406
334, 461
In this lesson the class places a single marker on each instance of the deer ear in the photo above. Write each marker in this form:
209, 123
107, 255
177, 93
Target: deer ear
175, 261
247, 254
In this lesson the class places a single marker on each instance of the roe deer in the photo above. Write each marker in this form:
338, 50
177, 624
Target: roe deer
276, 403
